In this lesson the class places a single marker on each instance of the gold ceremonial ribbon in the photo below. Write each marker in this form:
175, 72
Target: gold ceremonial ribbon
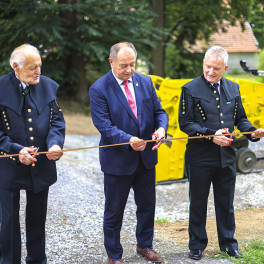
126, 143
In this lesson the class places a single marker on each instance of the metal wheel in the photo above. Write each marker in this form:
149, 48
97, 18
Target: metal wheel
241, 142
246, 160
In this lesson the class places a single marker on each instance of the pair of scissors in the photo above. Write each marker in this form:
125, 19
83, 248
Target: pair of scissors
33, 152
157, 139
226, 131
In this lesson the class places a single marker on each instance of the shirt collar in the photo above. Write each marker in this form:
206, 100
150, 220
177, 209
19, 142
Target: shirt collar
219, 82
208, 83
23, 84
119, 80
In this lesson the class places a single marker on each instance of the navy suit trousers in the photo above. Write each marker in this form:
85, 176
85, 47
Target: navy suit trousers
117, 189
10, 236
223, 181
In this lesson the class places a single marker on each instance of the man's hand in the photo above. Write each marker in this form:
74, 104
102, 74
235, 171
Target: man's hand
222, 140
25, 157
137, 144
259, 133
158, 134
54, 155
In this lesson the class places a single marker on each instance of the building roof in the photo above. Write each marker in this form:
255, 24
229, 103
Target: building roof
233, 40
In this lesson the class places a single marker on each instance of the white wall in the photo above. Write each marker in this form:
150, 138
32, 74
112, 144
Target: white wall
252, 60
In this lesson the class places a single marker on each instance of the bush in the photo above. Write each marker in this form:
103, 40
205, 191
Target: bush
182, 65
261, 65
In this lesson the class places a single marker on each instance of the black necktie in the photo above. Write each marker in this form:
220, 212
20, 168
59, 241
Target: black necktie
26, 89
216, 87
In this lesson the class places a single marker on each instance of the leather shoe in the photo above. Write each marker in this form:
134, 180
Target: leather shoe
150, 254
195, 254
234, 253
115, 261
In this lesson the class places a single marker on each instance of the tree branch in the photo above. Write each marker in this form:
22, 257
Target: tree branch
171, 32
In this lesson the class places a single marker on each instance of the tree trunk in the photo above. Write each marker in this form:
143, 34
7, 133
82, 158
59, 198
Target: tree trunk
82, 84
76, 59
158, 53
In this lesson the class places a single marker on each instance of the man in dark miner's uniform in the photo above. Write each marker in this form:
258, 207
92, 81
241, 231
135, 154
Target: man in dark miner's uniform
30, 119
211, 105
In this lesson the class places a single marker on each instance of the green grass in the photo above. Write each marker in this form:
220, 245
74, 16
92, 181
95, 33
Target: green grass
253, 254
162, 220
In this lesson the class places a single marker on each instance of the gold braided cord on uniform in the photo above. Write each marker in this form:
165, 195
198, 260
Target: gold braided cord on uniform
126, 143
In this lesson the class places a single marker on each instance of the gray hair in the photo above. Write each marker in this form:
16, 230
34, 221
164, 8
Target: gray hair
218, 53
116, 48
19, 54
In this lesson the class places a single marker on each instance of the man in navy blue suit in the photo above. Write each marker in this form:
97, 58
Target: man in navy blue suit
125, 108
29, 118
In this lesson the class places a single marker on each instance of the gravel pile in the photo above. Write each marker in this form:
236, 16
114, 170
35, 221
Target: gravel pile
76, 205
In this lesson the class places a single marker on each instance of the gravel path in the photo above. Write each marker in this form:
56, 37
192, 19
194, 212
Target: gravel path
76, 204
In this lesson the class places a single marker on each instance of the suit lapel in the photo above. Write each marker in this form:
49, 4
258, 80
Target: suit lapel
121, 97
230, 93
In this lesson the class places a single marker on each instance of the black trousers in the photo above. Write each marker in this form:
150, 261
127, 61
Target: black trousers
117, 189
10, 236
223, 181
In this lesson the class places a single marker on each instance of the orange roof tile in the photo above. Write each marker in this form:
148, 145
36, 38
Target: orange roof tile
234, 40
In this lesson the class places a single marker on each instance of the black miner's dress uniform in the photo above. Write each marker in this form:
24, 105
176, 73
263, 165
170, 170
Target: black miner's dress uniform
32, 119
203, 111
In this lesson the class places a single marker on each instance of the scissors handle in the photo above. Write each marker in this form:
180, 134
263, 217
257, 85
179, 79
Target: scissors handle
156, 138
226, 131
32, 151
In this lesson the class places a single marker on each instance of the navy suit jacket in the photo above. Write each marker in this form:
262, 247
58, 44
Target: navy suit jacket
31, 120
116, 122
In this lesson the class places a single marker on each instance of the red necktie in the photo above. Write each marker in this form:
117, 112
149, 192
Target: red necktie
130, 98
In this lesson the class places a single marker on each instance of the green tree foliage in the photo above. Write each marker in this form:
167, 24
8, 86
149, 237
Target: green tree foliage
261, 65
188, 21
256, 20
72, 34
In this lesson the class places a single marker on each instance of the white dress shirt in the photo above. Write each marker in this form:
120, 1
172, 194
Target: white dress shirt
130, 87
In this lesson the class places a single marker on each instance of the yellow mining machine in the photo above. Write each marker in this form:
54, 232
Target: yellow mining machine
171, 154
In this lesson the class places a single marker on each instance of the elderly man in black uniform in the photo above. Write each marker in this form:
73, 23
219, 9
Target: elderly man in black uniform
209, 105
30, 118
